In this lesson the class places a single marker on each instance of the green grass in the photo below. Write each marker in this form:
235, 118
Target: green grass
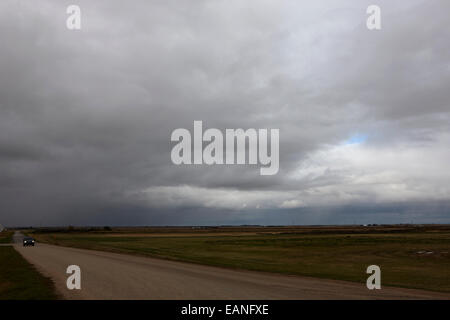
334, 256
6, 236
20, 281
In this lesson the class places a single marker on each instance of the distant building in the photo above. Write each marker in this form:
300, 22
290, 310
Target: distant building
1, 228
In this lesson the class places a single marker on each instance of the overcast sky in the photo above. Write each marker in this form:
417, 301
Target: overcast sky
86, 116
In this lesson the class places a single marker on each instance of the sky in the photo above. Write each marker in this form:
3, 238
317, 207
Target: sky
86, 115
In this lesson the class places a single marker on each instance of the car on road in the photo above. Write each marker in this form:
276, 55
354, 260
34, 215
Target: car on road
28, 241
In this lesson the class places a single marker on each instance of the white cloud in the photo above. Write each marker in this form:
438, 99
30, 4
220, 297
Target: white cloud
363, 172
335, 175
185, 195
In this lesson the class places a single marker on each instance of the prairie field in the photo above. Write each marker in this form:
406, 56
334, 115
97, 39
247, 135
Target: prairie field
6, 236
19, 280
409, 256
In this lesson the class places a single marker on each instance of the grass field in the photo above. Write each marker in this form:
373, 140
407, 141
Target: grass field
6, 236
19, 280
409, 256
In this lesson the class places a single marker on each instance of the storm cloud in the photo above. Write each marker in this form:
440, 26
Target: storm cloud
86, 116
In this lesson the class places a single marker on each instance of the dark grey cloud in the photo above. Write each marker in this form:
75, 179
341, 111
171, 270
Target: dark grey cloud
86, 116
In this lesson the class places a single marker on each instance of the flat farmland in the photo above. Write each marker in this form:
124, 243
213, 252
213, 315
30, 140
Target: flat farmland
409, 256
5, 237
21, 281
